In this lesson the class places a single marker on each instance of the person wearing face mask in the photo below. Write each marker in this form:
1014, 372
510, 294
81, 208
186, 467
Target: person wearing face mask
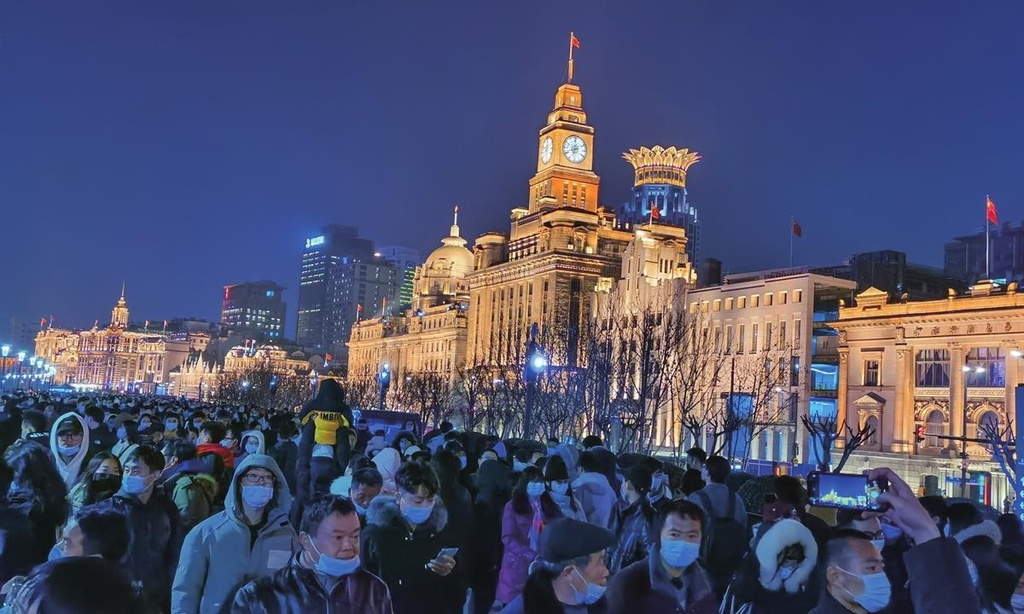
211, 434
100, 436
633, 521
854, 577
252, 538
365, 487
69, 443
100, 480
252, 443
154, 522
172, 426
522, 525
403, 540
777, 577
556, 476
887, 538
569, 575
326, 575
670, 579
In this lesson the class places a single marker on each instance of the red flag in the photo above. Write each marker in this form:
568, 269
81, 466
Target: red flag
655, 213
990, 211
359, 307
329, 358
575, 42
42, 321
797, 231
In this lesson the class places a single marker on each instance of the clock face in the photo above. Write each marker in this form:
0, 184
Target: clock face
575, 149
546, 148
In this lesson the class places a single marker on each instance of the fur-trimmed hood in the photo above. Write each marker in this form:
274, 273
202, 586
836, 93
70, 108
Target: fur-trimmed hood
384, 512
774, 540
986, 528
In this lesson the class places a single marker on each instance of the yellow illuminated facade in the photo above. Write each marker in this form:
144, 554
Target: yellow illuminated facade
902, 366
114, 357
660, 165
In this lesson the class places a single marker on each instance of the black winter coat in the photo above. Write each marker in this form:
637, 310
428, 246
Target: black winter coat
633, 526
297, 589
17, 549
399, 555
644, 587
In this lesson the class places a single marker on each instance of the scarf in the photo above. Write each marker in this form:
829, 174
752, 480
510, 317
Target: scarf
537, 526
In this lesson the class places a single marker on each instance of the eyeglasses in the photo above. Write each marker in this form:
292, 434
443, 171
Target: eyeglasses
253, 479
874, 535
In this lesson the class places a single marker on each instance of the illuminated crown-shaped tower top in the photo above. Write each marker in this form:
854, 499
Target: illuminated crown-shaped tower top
660, 165
119, 315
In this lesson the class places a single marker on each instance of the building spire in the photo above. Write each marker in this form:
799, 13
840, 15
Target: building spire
122, 289
454, 232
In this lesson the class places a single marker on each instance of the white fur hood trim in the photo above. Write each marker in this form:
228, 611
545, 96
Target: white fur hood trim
785, 533
986, 528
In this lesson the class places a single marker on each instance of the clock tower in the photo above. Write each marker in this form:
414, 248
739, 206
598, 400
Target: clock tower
565, 157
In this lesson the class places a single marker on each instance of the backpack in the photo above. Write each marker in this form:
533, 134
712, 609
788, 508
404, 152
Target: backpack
725, 542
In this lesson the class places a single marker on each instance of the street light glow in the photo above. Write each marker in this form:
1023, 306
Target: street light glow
539, 362
1016, 353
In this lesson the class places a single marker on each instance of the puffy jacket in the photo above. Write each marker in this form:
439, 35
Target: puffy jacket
69, 470
645, 587
220, 555
219, 450
297, 589
398, 555
515, 562
758, 581
194, 493
596, 497
634, 524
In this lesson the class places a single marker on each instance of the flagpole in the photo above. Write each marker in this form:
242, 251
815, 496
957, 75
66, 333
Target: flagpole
792, 220
987, 274
572, 35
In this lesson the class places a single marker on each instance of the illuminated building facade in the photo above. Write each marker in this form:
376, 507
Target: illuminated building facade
431, 336
320, 259
560, 245
903, 368
405, 260
255, 307
660, 183
116, 357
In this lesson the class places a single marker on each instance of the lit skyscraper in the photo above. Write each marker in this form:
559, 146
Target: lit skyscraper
320, 259
255, 306
405, 259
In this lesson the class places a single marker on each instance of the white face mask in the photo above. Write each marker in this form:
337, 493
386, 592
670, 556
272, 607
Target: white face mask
1017, 603
877, 591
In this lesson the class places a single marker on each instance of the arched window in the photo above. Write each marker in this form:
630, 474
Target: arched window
935, 425
989, 421
872, 423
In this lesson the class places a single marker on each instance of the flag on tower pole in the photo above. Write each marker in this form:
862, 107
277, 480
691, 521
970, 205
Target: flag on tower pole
991, 215
574, 43
165, 324
798, 232
42, 322
655, 214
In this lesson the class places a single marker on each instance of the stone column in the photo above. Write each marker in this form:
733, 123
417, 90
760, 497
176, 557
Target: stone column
842, 395
1012, 379
903, 403
957, 381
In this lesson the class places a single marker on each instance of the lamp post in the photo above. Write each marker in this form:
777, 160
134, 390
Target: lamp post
384, 382
21, 365
963, 431
536, 363
5, 350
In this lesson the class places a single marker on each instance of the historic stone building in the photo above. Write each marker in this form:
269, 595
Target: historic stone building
559, 247
946, 365
431, 336
118, 356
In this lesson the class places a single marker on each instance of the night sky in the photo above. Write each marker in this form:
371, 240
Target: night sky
182, 145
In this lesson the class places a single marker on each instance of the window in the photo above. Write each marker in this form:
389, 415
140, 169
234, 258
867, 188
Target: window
933, 368
872, 423
728, 339
989, 423
753, 337
728, 304
992, 363
796, 333
768, 299
742, 302
782, 298
718, 339
768, 335
798, 295
716, 305
782, 335
742, 334
870, 372
935, 425
753, 300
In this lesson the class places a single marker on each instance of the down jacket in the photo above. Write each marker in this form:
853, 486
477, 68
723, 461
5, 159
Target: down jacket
219, 555
298, 589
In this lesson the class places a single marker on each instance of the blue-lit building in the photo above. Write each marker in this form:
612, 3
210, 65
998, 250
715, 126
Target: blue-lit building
322, 259
255, 307
660, 183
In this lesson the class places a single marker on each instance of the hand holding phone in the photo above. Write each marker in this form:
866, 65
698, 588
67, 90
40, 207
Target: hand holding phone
847, 491
444, 563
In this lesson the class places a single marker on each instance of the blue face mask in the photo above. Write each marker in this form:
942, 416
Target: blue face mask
417, 515
68, 450
678, 553
462, 461
134, 484
257, 496
330, 566
593, 594
535, 489
892, 533
122, 433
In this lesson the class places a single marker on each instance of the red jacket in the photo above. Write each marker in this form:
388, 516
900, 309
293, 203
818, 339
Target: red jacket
219, 450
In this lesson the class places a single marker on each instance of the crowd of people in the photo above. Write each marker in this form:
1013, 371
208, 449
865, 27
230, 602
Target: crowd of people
115, 504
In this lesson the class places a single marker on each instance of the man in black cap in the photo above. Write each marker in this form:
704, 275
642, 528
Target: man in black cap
634, 519
569, 574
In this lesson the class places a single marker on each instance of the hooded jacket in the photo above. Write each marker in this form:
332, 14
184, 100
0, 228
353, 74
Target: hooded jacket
220, 555
758, 581
193, 492
262, 449
596, 497
388, 461
69, 470
397, 554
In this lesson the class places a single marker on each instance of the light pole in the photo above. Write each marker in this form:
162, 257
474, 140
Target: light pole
21, 365
5, 350
384, 382
963, 431
536, 363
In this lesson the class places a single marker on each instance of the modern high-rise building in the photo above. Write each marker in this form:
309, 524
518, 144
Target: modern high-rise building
256, 306
964, 256
320, 258
405, 259
660, 183
357, 288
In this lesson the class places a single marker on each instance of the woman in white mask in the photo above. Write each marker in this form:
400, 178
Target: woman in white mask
778, 576
569, 575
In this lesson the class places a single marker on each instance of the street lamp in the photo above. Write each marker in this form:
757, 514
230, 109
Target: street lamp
384, 382
5, 350
963, 432
536, 363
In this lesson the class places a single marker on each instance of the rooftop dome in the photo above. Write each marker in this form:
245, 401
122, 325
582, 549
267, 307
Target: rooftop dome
452, 257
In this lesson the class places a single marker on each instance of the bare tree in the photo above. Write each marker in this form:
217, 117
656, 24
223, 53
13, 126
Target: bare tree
824, 430
261, 386
362, 390
1004, 450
